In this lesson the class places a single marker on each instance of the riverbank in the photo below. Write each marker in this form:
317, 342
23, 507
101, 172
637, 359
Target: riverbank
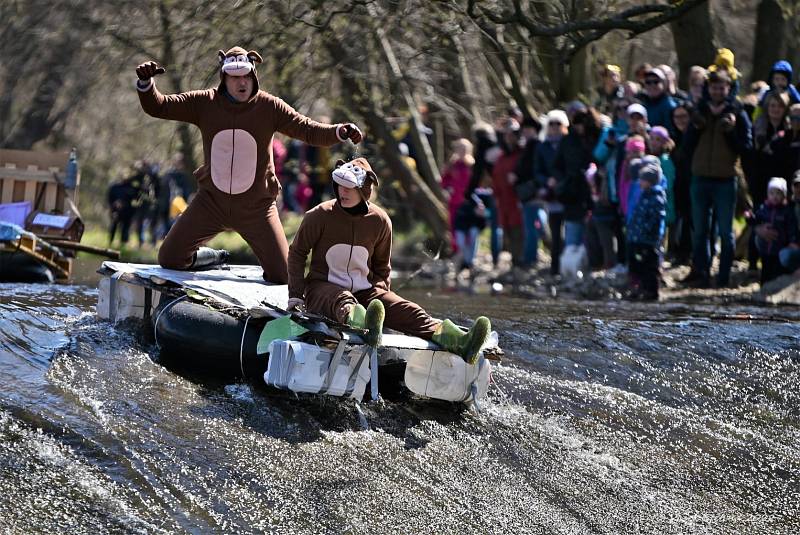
609, 285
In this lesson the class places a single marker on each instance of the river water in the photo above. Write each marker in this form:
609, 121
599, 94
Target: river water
604, 418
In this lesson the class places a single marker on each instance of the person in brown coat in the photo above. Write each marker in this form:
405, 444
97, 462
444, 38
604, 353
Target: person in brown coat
350, 243
237, 186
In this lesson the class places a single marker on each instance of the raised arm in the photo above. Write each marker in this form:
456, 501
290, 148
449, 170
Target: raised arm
298, 126
180, 107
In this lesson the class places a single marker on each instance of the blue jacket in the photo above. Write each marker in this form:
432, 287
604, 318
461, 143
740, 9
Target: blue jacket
659, 111
781, 218
646, 226
635, 191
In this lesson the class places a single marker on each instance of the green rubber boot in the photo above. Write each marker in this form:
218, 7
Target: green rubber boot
373, 322
467, 345
356, 317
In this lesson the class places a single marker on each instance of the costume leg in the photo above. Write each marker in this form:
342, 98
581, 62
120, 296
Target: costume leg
330, 300
263, 231
197, 225
401, 315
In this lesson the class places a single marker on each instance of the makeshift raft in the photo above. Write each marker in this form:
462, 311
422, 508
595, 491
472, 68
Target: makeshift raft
230, 320
24, 257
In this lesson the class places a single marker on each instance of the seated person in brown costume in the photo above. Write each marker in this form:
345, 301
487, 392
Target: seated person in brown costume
350, 242
237, 186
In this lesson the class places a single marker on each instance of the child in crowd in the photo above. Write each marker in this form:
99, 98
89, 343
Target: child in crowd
780, 82
350, 242
724, 61
645, 234
471, 218
661, 146
634, 149
776, 229
790, 256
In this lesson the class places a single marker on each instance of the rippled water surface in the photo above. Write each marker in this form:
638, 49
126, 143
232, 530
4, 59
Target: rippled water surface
603, 419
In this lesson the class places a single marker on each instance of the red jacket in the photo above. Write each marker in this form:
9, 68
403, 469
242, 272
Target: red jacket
508, 205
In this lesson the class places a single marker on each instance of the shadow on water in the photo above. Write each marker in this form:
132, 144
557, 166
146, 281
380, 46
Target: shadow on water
603, 418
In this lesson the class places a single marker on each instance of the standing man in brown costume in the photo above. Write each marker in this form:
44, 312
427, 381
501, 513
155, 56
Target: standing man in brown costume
237, 186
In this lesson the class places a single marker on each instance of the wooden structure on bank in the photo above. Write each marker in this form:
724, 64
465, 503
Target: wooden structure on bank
38, 178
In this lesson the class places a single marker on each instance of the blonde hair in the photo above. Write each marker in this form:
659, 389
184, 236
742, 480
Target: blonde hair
781, 97
697, 72
462, 143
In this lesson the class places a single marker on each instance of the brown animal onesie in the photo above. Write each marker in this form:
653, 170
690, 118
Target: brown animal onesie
350, 264
237, 184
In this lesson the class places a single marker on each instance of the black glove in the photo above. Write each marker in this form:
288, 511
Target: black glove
147, 70
351, 132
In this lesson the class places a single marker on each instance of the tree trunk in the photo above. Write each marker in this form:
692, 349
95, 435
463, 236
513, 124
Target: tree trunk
770, 42
694, 40
426, 205
38, 119
426, 163
168, 57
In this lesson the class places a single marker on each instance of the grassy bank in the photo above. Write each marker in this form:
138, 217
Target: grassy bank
409, 244
146, 253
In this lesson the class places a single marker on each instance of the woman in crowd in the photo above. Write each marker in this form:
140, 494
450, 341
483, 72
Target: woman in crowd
557, 128
571, 163
759, 164
680, 246
456, 178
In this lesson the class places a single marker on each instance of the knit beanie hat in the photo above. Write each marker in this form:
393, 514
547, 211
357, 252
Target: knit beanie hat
651, 173
660, 131
724, 62
637, 108
635, 143
778, 183
557, 116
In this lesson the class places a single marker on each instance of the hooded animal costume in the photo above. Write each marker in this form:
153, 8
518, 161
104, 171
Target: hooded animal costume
351, 265
237, 185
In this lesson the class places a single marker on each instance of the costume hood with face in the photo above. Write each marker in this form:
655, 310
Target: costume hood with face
237, 184
355, 174
238, 62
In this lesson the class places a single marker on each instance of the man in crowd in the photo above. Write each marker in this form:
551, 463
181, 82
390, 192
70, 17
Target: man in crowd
720, 134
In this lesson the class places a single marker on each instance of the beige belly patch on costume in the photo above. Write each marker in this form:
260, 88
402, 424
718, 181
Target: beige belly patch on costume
347, 267
234, 155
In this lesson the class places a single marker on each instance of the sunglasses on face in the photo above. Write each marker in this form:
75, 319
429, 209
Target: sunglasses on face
554, 124
794, 118
652, 82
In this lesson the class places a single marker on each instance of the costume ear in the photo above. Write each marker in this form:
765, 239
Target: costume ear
221, 56
254, 56
339, 163
372, 176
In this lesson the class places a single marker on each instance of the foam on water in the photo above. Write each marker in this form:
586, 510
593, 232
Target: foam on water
596, 424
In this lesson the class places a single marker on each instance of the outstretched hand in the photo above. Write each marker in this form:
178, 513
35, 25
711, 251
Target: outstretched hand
351, 132
147, 70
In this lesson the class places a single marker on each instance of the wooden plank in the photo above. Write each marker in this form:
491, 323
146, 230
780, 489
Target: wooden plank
61, 206
19, 191
8, 191
41, 159
30, 191
37, 175
50, 195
